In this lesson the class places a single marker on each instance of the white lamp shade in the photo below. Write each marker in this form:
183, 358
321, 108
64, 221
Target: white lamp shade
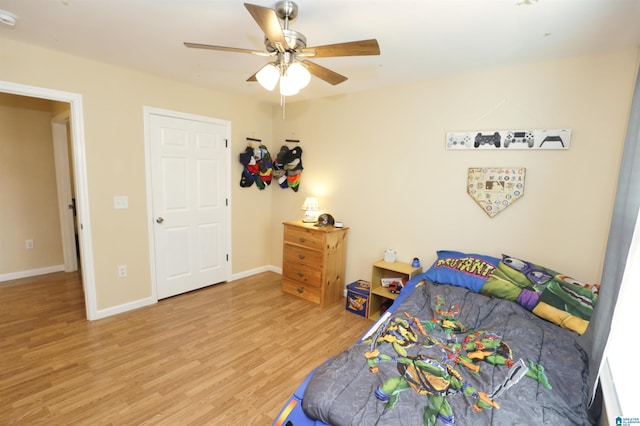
268, 76
310, 203
299, 74
288, 86
310, 206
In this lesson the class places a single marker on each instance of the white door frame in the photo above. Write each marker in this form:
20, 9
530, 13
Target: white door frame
65, 193
147, 112
80, 175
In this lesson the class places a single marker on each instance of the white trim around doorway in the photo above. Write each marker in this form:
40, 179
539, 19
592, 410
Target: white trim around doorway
80, 175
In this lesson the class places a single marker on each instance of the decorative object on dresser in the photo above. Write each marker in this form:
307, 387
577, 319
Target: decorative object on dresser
311, 210
313, 262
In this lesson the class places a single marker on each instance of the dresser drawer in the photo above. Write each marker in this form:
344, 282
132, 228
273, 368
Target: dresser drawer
313, 262
293, 253
307, 274
304, 291
304, 237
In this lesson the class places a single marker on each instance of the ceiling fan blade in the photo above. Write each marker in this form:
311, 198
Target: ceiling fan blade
226, 49
268, 21
253, 77
353, 48
323, 73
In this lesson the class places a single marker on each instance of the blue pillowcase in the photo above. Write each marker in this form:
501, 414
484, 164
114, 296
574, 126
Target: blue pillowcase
470, 271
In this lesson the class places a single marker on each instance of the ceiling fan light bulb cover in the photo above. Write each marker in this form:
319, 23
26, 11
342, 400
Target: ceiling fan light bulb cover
268, 76
288, 86
299, 74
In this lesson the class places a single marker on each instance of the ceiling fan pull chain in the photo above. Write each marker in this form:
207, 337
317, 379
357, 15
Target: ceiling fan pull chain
283, 102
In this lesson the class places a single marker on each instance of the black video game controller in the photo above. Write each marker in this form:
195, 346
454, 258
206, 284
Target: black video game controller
483, 139
553, 138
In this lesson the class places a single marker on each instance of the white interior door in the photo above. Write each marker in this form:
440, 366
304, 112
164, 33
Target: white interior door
66, 206
191, 221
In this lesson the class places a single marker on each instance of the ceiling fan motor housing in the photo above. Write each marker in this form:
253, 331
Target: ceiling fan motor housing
287, 10
294, 39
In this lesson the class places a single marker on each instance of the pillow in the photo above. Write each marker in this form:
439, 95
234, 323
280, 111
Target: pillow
460, 269
550, 295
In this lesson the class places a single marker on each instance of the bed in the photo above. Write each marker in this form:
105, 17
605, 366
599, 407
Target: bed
473, 340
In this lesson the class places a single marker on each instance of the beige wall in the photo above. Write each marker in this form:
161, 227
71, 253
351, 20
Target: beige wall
28, 195
377, 161
113, 101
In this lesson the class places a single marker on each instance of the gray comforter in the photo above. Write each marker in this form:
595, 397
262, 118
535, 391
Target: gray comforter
447, 355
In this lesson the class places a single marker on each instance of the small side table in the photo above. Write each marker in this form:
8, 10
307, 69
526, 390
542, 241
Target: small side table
379, 295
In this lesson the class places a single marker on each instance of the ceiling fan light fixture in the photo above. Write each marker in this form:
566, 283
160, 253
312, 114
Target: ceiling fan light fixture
288, 86
300, 75
268, 76
292, 68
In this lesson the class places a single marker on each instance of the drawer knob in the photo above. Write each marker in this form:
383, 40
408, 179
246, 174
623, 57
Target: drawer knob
300, 274
300, 290
301, 256
302, 239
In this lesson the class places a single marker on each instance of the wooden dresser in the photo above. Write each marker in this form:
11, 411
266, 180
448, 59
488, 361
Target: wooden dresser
313, 262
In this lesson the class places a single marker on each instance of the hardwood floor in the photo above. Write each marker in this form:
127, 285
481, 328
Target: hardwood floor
230, 354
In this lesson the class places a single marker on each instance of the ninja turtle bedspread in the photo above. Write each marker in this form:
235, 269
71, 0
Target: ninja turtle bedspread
446, 356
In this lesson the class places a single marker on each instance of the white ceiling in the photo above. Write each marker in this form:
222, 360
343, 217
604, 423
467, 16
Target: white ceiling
419, 40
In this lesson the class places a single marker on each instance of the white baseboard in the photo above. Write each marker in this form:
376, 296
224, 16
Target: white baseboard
130, 306
114, 310
31, 272
255, 271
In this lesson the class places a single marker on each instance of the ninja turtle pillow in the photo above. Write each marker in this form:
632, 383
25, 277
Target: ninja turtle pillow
461, 269
556, 297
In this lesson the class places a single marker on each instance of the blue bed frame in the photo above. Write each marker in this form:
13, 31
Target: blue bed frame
292, 413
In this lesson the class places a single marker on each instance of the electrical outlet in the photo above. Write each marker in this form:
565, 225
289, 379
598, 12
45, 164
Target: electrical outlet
28, 244
122, 271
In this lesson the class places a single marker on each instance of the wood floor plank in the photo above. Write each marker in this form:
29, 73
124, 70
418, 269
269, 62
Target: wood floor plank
229, 354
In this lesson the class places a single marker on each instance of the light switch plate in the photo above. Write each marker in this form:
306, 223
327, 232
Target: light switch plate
120, 202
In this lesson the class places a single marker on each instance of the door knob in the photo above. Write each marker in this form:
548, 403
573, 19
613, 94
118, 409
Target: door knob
160, 219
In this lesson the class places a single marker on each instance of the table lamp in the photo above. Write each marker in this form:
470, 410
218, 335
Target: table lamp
311, 211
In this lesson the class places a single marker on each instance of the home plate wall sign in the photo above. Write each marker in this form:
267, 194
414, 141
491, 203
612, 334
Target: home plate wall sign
495, 188
510, 139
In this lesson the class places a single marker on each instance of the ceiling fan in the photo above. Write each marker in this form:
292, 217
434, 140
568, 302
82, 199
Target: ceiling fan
291, 66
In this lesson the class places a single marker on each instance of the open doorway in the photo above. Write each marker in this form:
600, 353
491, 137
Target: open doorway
37, 227
70, 107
